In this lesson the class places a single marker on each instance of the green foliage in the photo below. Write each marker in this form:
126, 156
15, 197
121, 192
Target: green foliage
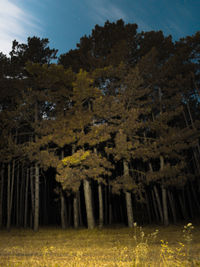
82, 165
76, 158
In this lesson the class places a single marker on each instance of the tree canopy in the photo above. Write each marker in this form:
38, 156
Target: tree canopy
122, 109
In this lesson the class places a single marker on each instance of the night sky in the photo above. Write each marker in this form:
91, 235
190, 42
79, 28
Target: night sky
64, 22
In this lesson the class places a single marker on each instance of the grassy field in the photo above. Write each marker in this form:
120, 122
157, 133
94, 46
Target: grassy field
117, 246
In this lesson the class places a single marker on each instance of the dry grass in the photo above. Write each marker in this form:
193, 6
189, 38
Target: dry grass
106, 247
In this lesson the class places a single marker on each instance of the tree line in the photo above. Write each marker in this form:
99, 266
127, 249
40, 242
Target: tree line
115, 121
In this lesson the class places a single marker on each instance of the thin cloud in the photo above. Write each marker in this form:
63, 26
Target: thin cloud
172, 27
15, 23
177, 22
104, 10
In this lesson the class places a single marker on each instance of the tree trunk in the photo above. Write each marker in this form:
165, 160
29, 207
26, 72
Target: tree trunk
21, 213
195, 197
148, 206
26, 198
88, 204
164, 196
66, 211
182, 204
17, 196
1, 195
62, 210
122, 218
128, 198
75, 206
182, 207
32, 198
196, 157
129, 209
8, 197
79, 209
37, 201
110, 217
106, 204
155, 206
45, 201
191, 207
171, 201
165, 208
158, 203
12, 188
37, 195
69, 212
62, 202
10, 193
100, 205
157, 196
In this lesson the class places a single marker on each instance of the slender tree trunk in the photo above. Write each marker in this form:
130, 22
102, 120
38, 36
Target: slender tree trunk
157, 197
195, 197
45, 211
79, 209
100, 205
88, 204
110, 216
66, 211
32, 198
62, 202
182, 207
189, 202
75, 206
164, 196
10, 194
165, 208
155, 206
8, 197
37, 201
158, 203
122, 219
196, 157
69, 212
190, 114
115, 211
100, 198
148, 206
21, 213
106, 204
1, 195
163, 189
37, 185
184, 202
17, 195
129, 209
62, 210
12, 188
128, 198
171, 201
26, 198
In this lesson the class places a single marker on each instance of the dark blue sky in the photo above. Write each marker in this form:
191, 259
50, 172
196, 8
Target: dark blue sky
64, 22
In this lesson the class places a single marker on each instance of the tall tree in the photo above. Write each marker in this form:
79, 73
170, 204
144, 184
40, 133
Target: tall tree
110, 44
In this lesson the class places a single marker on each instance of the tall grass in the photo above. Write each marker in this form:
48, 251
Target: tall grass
106, 247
